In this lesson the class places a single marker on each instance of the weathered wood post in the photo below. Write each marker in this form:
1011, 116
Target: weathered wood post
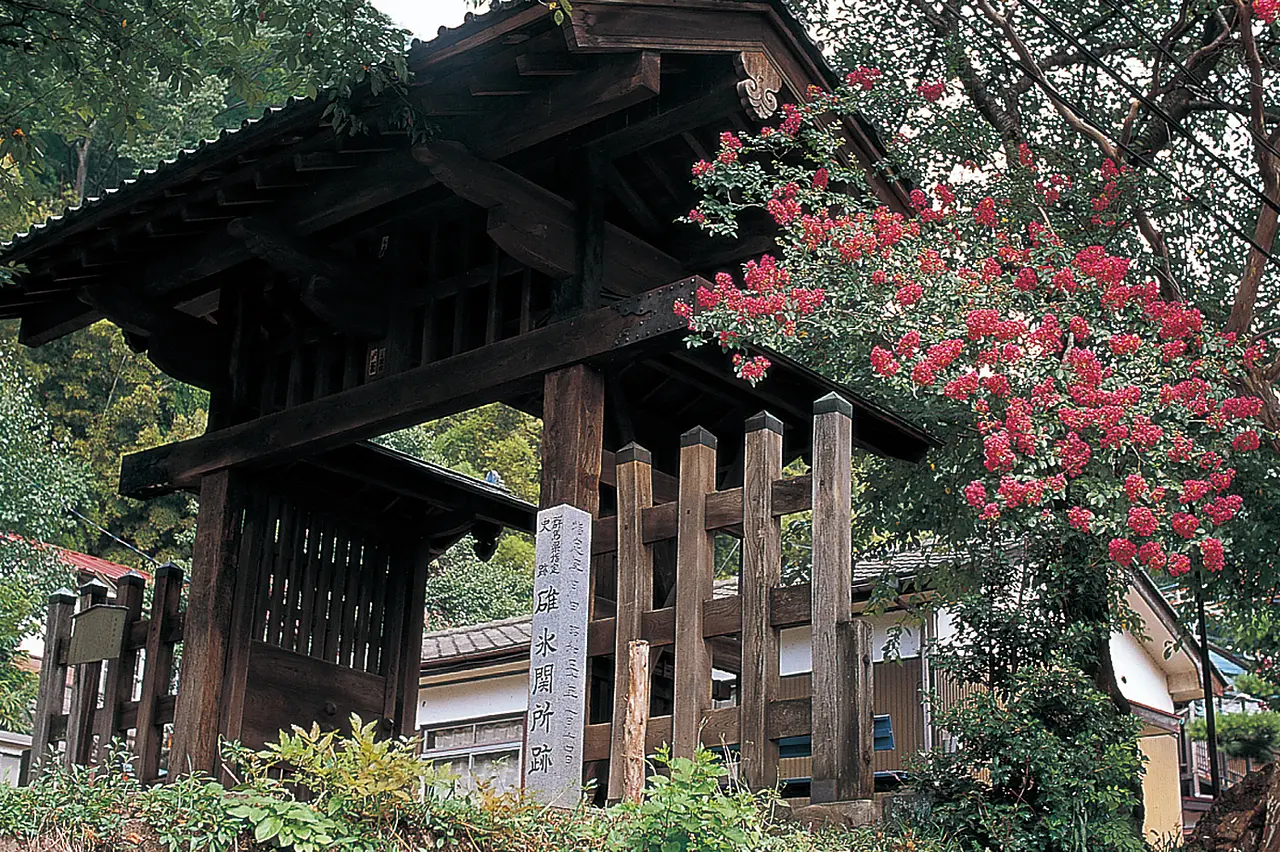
841, 699
695, 576
761, 572
121, 669
206, 628
635, 597
558, 657
53, 676
84, 689
166, 591
635, 722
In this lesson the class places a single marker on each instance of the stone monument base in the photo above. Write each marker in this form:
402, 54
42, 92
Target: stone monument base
854, 814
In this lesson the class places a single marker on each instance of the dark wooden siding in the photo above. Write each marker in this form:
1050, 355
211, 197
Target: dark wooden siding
898, 695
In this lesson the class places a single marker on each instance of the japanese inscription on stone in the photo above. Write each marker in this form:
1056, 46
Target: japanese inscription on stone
558, 657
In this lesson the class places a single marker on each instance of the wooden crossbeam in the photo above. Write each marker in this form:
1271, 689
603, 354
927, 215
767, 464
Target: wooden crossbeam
538, 227
333, 288
724, 511
463, 381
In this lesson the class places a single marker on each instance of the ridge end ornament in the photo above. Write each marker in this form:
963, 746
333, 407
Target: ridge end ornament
759, 92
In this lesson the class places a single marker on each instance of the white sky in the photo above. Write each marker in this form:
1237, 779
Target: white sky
425, 17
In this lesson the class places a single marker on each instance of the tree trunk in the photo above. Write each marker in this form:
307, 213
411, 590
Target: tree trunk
82, 167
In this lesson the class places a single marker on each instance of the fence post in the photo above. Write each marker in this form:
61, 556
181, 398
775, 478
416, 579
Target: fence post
635, 722
53, 676
84, 688
120, 670
158, 670
761, 572
695, 576
840, 699
634, 479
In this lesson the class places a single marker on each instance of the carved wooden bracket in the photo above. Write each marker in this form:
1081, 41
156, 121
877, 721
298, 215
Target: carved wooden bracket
759, 92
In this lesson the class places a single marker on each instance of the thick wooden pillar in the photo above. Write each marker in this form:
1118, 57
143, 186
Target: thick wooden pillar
572, 438
207, 633
635, 596
841, 691
695, 576
761, 572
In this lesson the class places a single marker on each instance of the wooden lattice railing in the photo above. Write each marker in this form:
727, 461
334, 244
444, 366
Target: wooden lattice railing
103, 705
838, 712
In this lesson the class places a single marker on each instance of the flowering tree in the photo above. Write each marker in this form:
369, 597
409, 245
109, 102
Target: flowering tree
1092, 418
1105, 411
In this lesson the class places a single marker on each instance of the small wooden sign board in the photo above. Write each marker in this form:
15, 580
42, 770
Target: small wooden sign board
97, 634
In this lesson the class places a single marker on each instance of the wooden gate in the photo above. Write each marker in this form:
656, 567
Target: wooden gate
838, 712
326, 621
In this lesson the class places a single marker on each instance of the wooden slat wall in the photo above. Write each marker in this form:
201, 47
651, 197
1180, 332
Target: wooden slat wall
450, 303
897, 694
322, 587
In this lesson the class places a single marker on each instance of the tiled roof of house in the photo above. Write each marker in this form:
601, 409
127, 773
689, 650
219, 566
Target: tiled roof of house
491, 637
83, 563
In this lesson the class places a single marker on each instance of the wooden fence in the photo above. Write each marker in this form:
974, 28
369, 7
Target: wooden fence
110, 698
837, 713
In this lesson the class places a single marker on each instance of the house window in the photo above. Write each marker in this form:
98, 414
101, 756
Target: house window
882, 730
481, 753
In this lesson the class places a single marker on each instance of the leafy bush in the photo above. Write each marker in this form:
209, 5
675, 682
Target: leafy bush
1250, 735
1043, 766
686, 811
314, 790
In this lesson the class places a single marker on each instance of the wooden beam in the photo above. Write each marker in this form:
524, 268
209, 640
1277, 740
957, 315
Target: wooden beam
537, 226
166, 598
572, 438
189, 349
433, 390
568, 103
635, 597
761, 571
838, 775
347, 298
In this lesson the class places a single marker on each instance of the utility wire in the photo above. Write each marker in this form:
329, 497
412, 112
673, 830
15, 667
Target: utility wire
1202, 87
1159, 111
72, 510
1054, 92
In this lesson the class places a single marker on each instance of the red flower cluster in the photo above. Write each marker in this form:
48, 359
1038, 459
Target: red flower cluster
930, 90
1212, 554
864, 78
1079, 518
751, 369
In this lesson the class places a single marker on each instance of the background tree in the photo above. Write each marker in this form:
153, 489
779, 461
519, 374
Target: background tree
39, 484
462, 589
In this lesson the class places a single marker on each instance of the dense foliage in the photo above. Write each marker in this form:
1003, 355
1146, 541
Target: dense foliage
38, 481
92, 92
1255, 736
313, 790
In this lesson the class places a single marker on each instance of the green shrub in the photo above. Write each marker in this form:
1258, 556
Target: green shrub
1045, 765
687, 811
314, 791
1249, 735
